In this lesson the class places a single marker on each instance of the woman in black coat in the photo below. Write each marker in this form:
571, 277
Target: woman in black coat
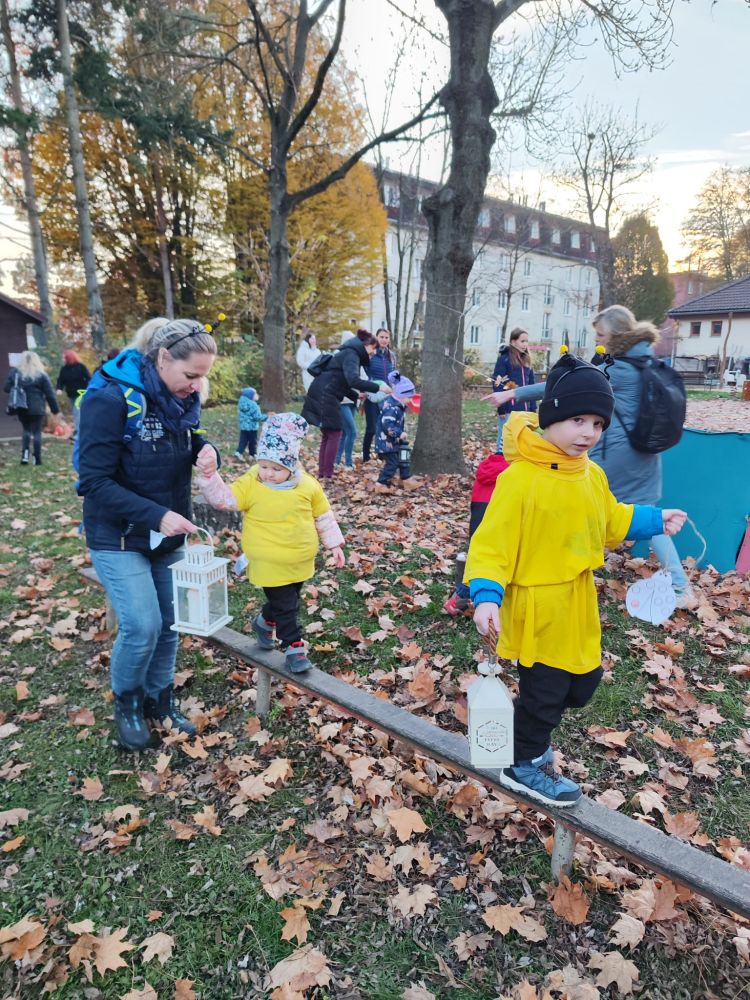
73, 378
33, 379
340, 378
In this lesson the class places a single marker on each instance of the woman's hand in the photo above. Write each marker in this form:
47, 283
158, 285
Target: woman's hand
673, 520
339, 559
207, 461
500, 398
487, 618
175, 524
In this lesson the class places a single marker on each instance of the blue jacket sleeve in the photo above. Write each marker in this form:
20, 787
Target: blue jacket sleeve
647, 521
103, 417
486, 591
527, 393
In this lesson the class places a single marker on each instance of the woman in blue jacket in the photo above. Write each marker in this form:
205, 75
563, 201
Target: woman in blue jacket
136, 490
512, 368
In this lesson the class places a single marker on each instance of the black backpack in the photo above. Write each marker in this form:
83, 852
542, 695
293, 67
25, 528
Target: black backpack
320, 364
662, 407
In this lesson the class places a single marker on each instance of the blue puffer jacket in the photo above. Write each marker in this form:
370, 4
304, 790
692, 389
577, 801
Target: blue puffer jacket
128, 487
518, 374
381, 364
634, 476
390, 426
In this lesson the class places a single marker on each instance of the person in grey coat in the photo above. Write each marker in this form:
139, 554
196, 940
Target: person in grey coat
634, 476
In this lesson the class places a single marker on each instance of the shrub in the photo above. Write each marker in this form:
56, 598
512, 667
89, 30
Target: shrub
232, 372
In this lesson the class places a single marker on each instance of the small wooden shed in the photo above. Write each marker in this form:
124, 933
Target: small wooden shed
17, 334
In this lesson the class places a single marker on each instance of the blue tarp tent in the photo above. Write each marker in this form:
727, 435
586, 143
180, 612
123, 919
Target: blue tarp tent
708, 475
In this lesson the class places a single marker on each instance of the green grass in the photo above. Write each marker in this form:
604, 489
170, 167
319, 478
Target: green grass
227, 928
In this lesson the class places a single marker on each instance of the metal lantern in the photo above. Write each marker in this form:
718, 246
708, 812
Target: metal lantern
199, 588
404, 454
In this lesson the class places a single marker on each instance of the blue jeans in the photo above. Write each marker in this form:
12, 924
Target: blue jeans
502, 420
347, 438
665, 551
140, 589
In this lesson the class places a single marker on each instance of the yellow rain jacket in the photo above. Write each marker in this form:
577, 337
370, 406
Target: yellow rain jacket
542, 536
279, 536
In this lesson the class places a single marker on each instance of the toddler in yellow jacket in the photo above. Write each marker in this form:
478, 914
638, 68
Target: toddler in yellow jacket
285, 513
530, 564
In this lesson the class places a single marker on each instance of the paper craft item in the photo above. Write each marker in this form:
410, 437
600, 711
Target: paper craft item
490, 719
652, 599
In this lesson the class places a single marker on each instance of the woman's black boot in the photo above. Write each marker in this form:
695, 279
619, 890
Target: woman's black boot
165, 707
132, 729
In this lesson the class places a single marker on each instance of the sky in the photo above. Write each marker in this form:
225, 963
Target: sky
699, 103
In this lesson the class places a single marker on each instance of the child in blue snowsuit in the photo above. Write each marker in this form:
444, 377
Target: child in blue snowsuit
250, 417
391, 436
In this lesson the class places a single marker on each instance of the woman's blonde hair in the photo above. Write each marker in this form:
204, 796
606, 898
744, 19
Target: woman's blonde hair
31, 365
181, 337
618, 320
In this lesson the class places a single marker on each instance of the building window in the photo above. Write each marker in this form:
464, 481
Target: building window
534, 229
418, 265
484, 218
545, 326
476, 296
695, 329
504, 261
479, 260
502, 300
474, 335
510, 223
527, 267
500, 337
391, 196
716, 325
555, 235
525, 300
548, 299
593, 247
575, 240
582, 337
566, 307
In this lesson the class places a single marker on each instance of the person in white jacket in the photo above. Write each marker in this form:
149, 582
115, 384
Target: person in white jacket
307, 352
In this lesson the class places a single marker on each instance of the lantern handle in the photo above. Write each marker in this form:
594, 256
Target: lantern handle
205, 532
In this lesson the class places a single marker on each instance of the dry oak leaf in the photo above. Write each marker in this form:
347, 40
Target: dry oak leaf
159, 945
414, 902
108, 949
207, 819
628, 931
296, 924
147, 993
417, 992
302, 970
91, 789
569, 901
614, 968
405, 822
12, 817
183, 989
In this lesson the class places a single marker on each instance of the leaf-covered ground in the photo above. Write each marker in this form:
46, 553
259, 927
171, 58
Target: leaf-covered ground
310, 856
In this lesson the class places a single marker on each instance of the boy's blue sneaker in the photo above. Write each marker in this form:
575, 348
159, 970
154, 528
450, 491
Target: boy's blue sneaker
296, 658
538, 779
264, 632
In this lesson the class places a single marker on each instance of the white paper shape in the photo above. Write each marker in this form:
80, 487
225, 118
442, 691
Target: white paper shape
652, 599
490, 722
155, 539
240, 565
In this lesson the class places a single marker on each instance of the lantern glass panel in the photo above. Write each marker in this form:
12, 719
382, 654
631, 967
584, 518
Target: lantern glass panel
189, 609
217, 601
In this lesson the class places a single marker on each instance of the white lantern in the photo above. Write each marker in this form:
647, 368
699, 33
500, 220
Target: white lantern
199, 588
490, 718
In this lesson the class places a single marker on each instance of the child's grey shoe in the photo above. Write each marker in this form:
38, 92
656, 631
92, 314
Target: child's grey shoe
296, 658
264, 632
540, 781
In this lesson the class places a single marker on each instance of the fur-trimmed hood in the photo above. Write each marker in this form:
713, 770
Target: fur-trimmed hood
621, 343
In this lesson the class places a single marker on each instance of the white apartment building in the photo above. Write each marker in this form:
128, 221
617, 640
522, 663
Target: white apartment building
532, 269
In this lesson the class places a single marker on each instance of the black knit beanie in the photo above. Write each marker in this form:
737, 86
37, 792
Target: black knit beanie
575, 387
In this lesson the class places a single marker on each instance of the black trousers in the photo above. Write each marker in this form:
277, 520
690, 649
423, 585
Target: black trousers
32, 433
249, 440
544, 694
281, 607
392, 465
372, 413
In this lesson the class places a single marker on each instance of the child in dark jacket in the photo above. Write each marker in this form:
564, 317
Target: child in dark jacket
513, 369
392, 439
487, 474
250, 417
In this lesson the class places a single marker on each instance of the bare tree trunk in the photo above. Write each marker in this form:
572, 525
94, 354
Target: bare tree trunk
30, 203
96, 310
452, 213
161, 232
274, 319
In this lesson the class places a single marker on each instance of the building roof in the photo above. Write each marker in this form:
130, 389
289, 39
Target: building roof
31, 313
731, 298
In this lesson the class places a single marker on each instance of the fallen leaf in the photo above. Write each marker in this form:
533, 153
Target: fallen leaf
322, 831
614, 968
302, 970
296, 924
108, 950
153, 915
12, 845
569, 901
417, 992
207, 819
81, 717
183, 989
91, 789
12, 817
414, 901
159, 946
22, 691
628, 931
405, 822
147, 993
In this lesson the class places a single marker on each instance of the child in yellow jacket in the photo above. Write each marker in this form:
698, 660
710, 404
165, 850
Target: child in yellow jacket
285, 512
531, 561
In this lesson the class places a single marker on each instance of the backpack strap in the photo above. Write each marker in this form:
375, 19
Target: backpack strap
136, 406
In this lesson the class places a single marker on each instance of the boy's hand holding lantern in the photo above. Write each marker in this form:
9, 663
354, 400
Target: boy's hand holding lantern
487, 619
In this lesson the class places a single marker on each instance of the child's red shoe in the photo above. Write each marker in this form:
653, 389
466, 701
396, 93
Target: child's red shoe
456, 606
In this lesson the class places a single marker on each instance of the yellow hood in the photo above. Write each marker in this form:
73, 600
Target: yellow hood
523, 440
